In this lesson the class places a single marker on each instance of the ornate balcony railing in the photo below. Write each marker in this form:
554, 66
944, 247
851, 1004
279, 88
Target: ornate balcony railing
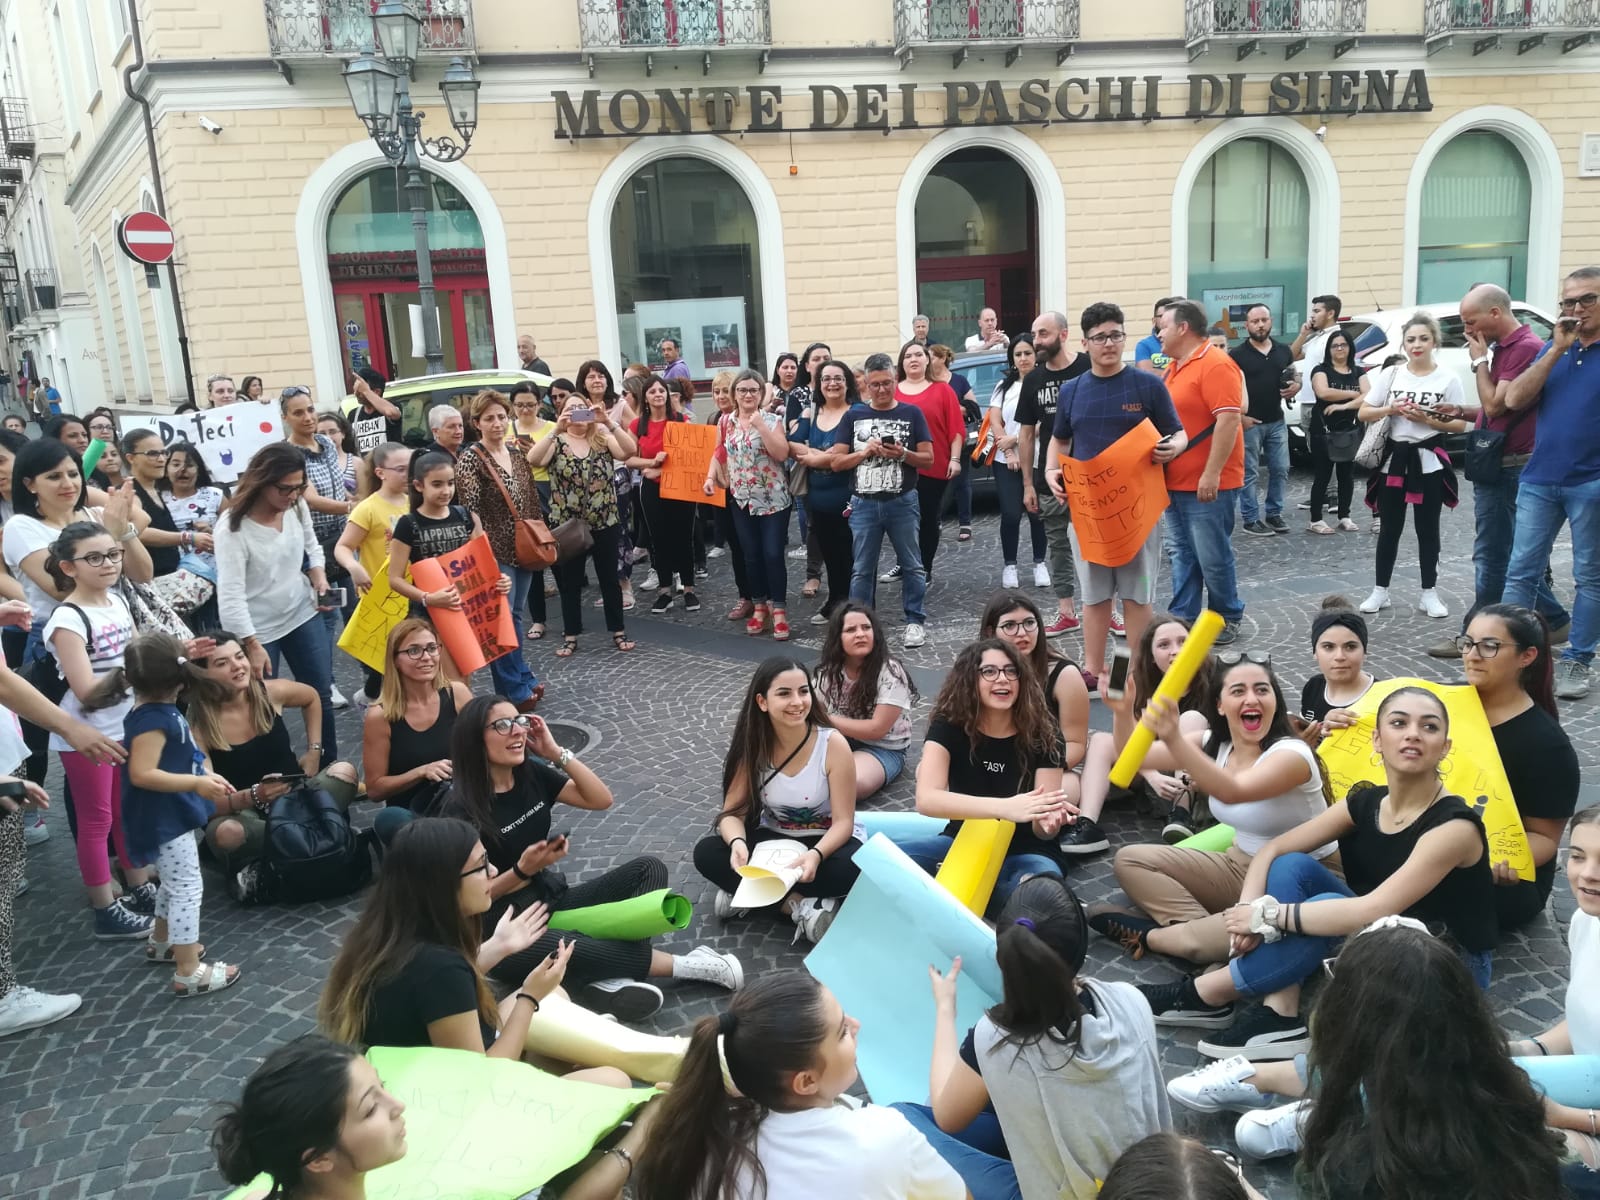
16, 129
1248, 24
41, 288
301, 29
961, 25
650, 25
1528, 22
11, 170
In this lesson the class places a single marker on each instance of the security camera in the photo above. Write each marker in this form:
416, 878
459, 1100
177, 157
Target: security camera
212, 127
1322, 133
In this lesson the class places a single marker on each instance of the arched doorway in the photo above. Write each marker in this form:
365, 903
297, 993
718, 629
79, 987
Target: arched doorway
1474, 225
977, 244
686, 263
1250, 234
372, 264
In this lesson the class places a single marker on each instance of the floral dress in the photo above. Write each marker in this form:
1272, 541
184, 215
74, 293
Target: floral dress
759, 485
582, 487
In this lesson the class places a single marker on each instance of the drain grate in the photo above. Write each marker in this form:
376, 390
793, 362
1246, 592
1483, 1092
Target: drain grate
575, 736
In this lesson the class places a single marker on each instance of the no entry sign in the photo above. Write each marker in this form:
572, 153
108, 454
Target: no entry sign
146, 237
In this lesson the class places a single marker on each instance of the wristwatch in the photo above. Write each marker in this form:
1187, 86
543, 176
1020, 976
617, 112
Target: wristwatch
1479, 362
1263, 918
566, 757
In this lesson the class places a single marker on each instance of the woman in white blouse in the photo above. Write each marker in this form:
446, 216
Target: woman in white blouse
1008, 476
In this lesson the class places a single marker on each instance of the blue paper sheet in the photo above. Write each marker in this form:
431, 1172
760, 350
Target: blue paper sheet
900, 826
875, 957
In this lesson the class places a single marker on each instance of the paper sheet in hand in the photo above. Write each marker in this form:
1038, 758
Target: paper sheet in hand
773, 869
895, 924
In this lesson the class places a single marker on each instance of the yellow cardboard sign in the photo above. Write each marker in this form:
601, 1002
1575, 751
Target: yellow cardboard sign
1472, 769
377, 612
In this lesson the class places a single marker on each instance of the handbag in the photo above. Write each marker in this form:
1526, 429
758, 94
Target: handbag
573, 539
535, 544
151, 611
1342, 444
1485, 449
799, 478
183, 590
1374, 443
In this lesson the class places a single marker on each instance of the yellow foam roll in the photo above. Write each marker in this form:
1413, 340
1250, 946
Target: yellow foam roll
563, 1031
1173, 685
973, 864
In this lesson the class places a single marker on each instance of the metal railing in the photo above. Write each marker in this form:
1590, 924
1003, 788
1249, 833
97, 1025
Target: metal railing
1203, 19
673, 24
40, 284
1444, 17
11, 169
952, 22
342, 28
16, 128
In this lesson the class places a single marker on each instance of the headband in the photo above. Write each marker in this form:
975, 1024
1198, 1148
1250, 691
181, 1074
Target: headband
1328, 618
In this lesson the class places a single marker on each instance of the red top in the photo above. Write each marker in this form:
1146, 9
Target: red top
653, 442
1512, 356
943, 412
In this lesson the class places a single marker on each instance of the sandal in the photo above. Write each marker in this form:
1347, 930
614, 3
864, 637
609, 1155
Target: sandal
628, 602
212, 977
569, 647
161, 952
757, 624
1318, 527
780, 625
622, 642
965, 534
741, 610
535, 632
811, 588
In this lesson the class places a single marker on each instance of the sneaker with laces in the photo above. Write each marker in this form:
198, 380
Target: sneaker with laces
1272, 1132
1041, 575
35, 831
1127, 929
1064, 623
892, 575
25, 1008
716, 552
1008, 575
1445, 648
1175, 1004
1219, 1087
626, 999
141, 900
362, 700
1083, 836
722, 906
115, 922
1377, 601
651, 580
915, 636
1430, 604
1260, 1035
1572, 679
1258, 529
812, 917
1118, 627
1277, 524
1229, 634
1180, 825
337, 697
708, 966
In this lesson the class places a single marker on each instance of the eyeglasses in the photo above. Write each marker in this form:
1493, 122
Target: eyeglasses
1233, 658
152, 455
482, 867
415, 653
287, 490
747, 391
99, 558
1106, 339
100, 427
1587, 300
1012, 628
1483, 647
506, 724
991, 672
880, 385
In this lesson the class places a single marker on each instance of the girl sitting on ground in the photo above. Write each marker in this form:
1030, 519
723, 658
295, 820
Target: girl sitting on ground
868, 694
1339, 644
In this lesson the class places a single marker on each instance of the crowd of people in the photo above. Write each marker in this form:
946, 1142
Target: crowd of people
148, 613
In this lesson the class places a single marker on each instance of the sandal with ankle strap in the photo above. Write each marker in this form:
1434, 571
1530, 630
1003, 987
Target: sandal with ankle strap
568, 647
623, 642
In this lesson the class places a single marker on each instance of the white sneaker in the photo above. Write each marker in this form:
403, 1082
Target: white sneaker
812, 918
1430, 603
1219, 1086
1008, 575
915, 637
716, 552
722, 906
798, 551
24, 1008
708, 966
337, 697
35, 831
1272, 1132
1378, 600
651, 580
1041, 575
362, 700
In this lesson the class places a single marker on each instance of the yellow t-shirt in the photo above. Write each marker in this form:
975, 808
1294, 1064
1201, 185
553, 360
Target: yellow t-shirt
377, 514
527, 441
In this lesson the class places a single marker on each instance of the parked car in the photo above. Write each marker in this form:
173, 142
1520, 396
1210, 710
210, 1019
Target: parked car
418, 396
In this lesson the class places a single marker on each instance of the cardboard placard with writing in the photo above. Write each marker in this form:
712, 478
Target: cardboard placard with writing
690, 448
367, 632
480, 631
227, 437
1116, 497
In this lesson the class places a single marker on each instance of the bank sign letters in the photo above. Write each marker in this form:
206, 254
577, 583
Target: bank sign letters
758, 108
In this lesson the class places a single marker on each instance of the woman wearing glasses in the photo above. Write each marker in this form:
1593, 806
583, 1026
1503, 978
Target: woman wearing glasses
509, 797
102, 425
167, 544
270, 577
753, 453
867, 693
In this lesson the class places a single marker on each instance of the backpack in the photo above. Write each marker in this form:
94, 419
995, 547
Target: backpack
44, 673
311, 851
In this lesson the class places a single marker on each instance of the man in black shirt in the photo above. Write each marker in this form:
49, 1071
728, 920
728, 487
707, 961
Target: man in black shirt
373, 419
1266, 365
1036, 414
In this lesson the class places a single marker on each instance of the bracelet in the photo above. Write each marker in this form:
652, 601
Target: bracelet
731, 841
1592, 1132
628, 1158
818, 853
1543, 1049
255, 793
520, 874
530, 998
129, 535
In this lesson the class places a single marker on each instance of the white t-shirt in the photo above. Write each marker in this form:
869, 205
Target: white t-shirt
1438, 387
25, 535
111, 629
12, 748
1006, 403
1583, 988
1258, 822
871, 1153
1311, 352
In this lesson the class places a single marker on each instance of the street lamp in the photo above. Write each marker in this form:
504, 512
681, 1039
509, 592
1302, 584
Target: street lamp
380, 92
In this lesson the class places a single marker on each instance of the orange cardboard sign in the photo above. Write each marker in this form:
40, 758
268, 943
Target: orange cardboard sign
480, 631
690, 448
1116, 497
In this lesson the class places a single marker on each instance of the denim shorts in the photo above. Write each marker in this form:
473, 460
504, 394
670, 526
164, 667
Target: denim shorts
892, 761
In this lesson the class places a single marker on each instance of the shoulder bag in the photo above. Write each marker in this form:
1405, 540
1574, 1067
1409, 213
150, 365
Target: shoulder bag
798, 474
1485, 449
1375, 442
536, 545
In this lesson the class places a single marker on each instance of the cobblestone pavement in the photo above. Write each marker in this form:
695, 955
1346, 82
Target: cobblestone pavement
116, 1100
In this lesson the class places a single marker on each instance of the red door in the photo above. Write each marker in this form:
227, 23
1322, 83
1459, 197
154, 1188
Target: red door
380, 325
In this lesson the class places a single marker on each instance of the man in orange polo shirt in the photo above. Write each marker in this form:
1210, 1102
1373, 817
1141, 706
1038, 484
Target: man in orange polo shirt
1203, 482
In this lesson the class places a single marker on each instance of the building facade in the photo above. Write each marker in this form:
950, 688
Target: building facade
750, 175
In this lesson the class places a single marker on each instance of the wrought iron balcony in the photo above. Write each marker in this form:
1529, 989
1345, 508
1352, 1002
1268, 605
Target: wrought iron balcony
11, 171
16, 129
1525, 23
959, 26
312, 29
1252, 25
654, 26
41, 288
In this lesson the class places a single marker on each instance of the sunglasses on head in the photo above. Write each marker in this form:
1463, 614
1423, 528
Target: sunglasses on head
1232, 658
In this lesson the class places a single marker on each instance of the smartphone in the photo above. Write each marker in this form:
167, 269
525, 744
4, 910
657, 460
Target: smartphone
334, 597
564, 836
1117, 681
289, 777
580, 416
888, 439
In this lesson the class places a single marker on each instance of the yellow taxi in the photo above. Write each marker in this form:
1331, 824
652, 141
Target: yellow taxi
418, 396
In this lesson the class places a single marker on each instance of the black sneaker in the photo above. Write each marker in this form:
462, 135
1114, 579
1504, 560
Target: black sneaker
626, 999
1127, 929
691, 602
1083, 836
1258, 529
1168, 1003
1277, 525
1180, 825
1260, 1035
141, 900
663, 603
1229, 634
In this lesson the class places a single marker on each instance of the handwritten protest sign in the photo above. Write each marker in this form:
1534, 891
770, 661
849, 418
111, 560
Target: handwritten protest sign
1472, 769
481, 1128
689, 450
480, 631
367, 631
226, 437
1116, 497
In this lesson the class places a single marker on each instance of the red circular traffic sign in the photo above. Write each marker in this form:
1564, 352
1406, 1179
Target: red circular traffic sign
145, 236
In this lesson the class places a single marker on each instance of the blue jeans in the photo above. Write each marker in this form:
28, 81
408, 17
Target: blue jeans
1541, 509
513, 678
1200, 547
310, 656
1273, 437
929, 852
900, 517
978, 1152
1494, 505
763, 539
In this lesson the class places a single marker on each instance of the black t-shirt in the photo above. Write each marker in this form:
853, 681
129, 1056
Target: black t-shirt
163, 558
372, 429
430, 537
1036, 405
410, 748
1335, 422
1314, 698
882, 476
1263, 378
1462, 902
436, 983
1542, 769
994, 768
521, 816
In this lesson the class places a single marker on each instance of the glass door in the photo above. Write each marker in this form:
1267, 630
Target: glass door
479, 334
952, 307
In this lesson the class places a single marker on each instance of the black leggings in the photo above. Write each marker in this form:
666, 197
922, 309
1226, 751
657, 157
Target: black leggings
832, 533
930, 501
835, 876
671, 528
569, 579
1324, 469
1392, 508
592, 958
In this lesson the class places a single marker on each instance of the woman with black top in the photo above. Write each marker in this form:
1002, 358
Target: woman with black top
1340, 384
1505, 654
405, 736
1407, 848
827, 495
1339, 643
167, 544
509, 797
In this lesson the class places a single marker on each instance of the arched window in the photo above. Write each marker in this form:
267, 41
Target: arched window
687, 264
1474, 229
1250, 234
110, 343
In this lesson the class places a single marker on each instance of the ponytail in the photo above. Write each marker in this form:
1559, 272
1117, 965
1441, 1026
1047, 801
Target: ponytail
1043, 938
1529, 630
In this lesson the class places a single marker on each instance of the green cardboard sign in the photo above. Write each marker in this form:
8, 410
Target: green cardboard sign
645, 916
